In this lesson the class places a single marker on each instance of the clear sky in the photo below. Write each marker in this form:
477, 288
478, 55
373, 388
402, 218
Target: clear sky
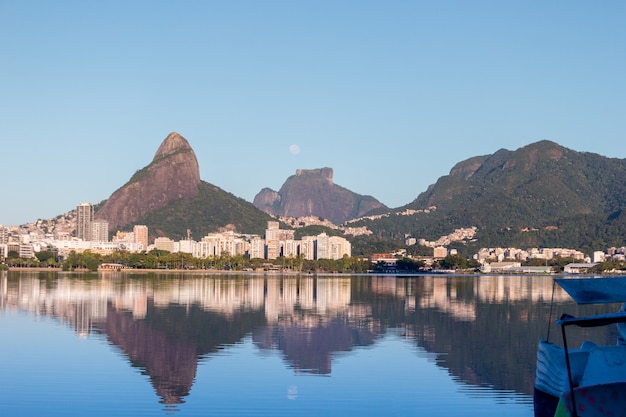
390, 94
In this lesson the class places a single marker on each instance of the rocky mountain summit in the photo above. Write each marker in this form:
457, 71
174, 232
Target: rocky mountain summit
311, 192
169, 197
172, 174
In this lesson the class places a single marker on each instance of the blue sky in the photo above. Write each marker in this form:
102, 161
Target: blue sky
390, 94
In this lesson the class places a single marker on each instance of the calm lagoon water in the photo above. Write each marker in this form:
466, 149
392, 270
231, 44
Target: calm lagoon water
255, 345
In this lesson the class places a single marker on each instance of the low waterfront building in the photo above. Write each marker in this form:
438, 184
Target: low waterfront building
578, 268
495, 267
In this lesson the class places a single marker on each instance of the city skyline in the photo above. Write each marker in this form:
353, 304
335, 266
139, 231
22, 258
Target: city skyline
406, 88
94, 237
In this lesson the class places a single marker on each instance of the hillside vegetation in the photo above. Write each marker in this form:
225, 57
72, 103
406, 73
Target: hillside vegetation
212, 209
539, 195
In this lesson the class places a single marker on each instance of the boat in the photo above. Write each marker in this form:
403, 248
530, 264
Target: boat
589, 380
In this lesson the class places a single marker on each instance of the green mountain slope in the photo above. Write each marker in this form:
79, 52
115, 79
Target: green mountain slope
539, 195
210, 210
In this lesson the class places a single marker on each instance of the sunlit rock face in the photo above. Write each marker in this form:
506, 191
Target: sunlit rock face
312, 192
172, 174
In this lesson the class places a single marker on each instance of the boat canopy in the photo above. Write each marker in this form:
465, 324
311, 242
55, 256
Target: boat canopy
595, 290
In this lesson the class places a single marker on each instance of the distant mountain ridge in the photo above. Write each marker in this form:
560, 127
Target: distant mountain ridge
541, 182
563, 197
311, 192
540, 195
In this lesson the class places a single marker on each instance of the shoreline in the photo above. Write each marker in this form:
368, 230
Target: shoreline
166, 271
111, 272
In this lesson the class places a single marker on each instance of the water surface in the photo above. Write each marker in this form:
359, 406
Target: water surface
255, 345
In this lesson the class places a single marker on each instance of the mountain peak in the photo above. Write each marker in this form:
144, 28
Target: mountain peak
173, 142
311, 192
326, 173
172, 174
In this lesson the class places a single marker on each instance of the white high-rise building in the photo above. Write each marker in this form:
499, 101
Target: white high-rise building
187, 246
164, 243
598, 256
84, 217
141, 235
291, 248
99, 231
338, 247
307, 247
4, 235
257, 248
275, 239
322, 249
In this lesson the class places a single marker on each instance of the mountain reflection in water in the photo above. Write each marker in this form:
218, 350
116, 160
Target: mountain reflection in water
483, 328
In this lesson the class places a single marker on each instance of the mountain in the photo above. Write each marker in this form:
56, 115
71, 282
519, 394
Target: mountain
313, 193
172, 174
542, 194
169, 197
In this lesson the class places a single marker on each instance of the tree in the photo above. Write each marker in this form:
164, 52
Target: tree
46, 258
408, 265
87, 259
453, 262
91, 260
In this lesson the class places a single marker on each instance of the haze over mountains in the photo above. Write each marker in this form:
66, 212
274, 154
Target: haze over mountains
539, 195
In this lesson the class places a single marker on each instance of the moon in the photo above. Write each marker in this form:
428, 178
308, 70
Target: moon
294, 149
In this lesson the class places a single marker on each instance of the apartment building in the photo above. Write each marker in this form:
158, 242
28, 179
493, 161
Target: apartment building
4, 234
164, 243
338, 247
275, 239
140, 235
279, 242
99, 231
84, 217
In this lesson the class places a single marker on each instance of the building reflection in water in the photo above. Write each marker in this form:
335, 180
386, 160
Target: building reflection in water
163, 323
309, 319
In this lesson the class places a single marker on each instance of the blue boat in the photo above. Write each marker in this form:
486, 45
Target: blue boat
591, 379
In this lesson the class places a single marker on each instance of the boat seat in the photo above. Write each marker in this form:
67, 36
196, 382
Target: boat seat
606, 364
595, 400
551, 373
